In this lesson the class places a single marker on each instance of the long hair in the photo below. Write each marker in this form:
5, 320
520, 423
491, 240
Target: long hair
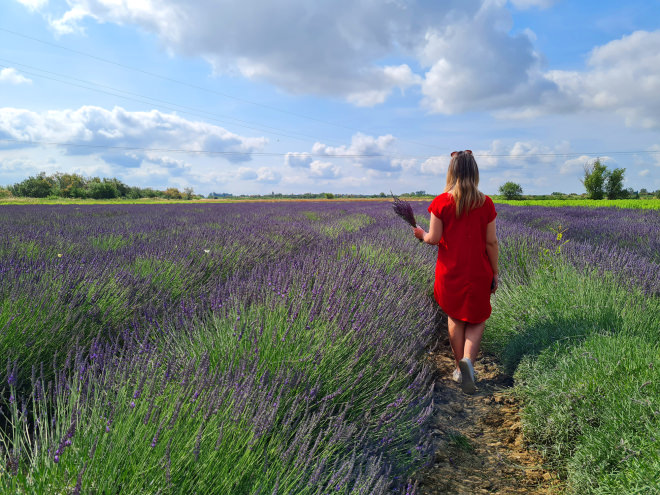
463, 182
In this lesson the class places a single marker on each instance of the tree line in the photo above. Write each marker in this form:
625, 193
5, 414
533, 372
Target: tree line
63, 185
599, 182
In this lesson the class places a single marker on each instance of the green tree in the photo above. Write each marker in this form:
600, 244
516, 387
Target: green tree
40, 186
594, 179
189, 193
614, 184
511, 190
69, 185
172, 193
102, 190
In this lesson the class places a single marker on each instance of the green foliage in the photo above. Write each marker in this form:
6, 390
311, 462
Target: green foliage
592, 409
103, 190
600, 182
614, 184
595, 175
640, 204
40, 186
591, 397
511, 190
172, 193
75, 186
4, 193
549, 257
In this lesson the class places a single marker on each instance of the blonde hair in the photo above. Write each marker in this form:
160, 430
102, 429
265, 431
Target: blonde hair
462, 182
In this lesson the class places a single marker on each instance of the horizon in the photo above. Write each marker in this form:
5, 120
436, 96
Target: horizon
311, 98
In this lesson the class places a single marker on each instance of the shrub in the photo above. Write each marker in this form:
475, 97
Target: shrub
102, 190
40, 186
511, 190
594, 179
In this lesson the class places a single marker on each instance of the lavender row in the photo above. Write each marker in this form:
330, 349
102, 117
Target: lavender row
303, 284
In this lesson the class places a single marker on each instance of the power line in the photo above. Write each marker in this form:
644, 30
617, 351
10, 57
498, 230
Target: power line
194, 86
90, 86
337, 155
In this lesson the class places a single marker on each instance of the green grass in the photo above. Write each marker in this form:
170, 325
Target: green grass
345, 223
640, 204
586, 361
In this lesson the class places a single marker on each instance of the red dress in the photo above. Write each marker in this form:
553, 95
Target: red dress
463, 274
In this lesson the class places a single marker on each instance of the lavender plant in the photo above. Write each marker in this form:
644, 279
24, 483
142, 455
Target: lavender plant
240, 348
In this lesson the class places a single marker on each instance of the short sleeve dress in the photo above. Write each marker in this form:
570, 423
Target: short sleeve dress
463, 274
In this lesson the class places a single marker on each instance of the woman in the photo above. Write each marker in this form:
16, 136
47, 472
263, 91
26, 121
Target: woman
463, 227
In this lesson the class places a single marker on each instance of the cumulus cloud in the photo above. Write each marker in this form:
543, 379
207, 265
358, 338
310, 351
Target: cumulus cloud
323, 170
298, 160
435, 165
466, 49
622, 76
475, 63
374, 153
121, 135
576, 165
11, 76
267, 175
33, 5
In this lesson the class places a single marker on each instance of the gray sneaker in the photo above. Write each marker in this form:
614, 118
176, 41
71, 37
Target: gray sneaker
456, 376
467, 372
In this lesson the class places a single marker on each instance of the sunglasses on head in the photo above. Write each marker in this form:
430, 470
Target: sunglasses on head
454, 153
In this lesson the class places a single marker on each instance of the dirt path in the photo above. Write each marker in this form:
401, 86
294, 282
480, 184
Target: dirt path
479, 444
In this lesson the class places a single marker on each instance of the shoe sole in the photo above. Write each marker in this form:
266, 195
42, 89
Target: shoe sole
467, 384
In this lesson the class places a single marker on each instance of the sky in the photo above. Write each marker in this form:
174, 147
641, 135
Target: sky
342, 96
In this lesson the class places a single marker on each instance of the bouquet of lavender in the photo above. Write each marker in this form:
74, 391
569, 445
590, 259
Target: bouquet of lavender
404, 210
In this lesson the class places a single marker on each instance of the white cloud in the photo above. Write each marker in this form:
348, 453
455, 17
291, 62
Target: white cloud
644, 173
98, 130
622, 76
268, 175
386, 80
33, 5
298, 160
576, 165
11, 76
527, 4
366, 151
435, 165
339, 48
474, 63
324, 170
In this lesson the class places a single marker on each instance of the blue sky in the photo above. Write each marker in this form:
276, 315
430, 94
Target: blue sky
348, 96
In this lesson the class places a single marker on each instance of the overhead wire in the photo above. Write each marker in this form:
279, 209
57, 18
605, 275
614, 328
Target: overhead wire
324, 155
92, 86
195, 86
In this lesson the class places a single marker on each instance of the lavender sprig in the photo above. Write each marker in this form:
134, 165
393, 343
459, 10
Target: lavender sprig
404, 210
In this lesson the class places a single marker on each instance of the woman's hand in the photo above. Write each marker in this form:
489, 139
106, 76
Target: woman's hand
494, 284
419, 232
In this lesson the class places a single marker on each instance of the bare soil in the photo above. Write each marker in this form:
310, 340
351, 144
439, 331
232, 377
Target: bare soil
479, 443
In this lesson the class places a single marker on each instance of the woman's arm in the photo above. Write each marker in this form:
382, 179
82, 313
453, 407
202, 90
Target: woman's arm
435, 231
493, 250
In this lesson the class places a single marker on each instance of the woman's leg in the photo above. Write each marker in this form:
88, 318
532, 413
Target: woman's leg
473, 335
456, 337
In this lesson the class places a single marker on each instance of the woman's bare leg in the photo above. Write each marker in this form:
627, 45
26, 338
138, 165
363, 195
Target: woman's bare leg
473, 335
456, 337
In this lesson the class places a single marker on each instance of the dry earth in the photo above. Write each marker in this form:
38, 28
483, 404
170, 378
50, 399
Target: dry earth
478, 438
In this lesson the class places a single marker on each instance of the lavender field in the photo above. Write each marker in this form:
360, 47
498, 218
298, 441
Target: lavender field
276, 347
